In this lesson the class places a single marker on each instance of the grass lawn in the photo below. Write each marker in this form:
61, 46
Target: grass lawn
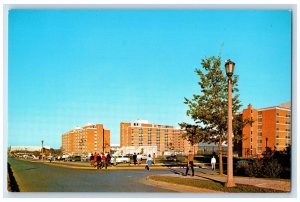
217, 186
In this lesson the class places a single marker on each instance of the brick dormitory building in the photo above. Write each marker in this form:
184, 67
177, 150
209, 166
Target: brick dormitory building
167, 138
87, 139
271, 128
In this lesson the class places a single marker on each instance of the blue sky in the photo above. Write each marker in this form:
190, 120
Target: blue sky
67, 68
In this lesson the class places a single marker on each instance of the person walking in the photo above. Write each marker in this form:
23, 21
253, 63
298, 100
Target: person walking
213, 163
139, 158
190, 163
103, 160
134, 157
92, 159
149, 162
95, 163
98, 161
115, 160
108, 159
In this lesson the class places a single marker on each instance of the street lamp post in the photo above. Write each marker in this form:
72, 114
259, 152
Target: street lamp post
42, 150
229, 66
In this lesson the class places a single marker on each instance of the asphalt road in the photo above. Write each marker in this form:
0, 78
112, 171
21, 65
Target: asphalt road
39, 177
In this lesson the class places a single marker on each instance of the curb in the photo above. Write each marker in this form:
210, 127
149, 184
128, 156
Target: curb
118, 167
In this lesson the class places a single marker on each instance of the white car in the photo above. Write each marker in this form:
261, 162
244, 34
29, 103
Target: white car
142, 157
85, 158
120, 159
49, 158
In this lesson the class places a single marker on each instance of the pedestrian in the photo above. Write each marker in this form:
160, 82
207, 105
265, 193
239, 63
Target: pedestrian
92, 159
139, 158
95, 159
98, 161
134, 157
213, 163
149, 162
115, 160
103, 160
190, 163
108, 158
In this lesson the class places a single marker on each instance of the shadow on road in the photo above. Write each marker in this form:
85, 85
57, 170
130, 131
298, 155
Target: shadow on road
12, 185
217, 181
183, 173
175, 171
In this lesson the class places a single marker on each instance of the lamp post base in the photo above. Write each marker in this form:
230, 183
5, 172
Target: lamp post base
230, 184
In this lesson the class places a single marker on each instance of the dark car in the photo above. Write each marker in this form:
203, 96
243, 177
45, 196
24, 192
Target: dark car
75, 158
248, 161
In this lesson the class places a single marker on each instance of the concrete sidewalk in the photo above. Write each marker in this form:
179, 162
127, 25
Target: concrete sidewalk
277, 184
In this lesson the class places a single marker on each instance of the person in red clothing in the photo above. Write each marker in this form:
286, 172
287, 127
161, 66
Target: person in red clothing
103, 161
95, 160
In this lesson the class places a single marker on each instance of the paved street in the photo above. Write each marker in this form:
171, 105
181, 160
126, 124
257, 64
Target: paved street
46, 177
39, 177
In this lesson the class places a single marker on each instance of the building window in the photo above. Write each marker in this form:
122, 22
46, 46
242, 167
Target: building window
149, 136
140, 137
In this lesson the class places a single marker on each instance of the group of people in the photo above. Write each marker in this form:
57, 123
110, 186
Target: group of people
100, 161
137, 158
190, 163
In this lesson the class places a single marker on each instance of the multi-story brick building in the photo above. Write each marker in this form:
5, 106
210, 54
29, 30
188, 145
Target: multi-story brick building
86, 139
167, 138
271, 128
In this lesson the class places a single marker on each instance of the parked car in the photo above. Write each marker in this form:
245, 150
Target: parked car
120, 159
248, 161
75, 158
142, 156
85, 158
65, 157
49, 158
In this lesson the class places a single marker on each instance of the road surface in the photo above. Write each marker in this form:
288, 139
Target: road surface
39, 177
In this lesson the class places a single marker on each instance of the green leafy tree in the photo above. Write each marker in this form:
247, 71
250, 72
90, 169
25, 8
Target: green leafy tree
209, 109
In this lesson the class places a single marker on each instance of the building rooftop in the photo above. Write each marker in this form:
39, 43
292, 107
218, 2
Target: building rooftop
140, 121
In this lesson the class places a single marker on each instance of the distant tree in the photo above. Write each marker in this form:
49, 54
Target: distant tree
209, 109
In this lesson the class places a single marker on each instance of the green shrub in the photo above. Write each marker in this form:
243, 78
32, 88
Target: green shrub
267, 167
256, 168
241, 169
272, 168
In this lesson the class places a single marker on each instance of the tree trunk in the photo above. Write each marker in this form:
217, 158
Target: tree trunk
220, 157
